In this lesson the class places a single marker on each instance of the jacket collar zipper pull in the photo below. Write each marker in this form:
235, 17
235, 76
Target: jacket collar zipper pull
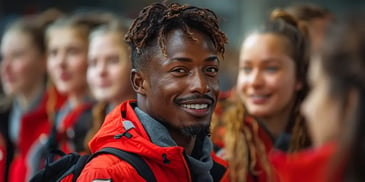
128, 125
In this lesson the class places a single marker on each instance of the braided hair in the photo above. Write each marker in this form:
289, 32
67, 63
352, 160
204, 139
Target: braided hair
157, 20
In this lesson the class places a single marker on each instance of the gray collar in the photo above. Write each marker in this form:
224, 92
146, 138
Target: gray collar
160, 136
155, 130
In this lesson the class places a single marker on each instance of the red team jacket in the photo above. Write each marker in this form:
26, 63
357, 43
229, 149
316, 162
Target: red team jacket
34, 130
107, 166
66, 143
308, 165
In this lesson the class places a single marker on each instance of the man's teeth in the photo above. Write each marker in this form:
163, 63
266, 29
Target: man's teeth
195, 106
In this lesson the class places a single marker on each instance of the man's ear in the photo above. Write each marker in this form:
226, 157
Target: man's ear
138, 82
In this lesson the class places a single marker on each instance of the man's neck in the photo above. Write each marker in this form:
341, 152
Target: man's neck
187, 142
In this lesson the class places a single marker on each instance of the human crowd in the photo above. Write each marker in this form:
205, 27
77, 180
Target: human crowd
85, 81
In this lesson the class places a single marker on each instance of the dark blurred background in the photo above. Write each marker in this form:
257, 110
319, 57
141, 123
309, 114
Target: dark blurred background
237, 16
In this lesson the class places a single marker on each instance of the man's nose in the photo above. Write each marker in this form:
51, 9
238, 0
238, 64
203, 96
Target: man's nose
200, 83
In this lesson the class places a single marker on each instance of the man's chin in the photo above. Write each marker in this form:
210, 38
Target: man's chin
195, 130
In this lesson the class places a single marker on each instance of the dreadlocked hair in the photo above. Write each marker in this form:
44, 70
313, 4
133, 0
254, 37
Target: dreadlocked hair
157, 20
244, 147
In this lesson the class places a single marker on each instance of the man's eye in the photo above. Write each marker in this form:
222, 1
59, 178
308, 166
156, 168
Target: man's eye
212, 69
179, 70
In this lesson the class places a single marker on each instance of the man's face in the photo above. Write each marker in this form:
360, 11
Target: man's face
181, 90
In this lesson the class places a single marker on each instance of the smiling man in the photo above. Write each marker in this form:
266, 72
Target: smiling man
175, 53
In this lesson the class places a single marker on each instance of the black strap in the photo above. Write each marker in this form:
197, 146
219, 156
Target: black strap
133, 159
52, 145
217, 171
79, 166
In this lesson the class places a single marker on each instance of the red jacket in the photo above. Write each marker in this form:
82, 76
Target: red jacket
106, 166
79, 122
308, 165
34, 130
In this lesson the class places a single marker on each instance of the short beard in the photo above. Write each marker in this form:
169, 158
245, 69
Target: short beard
201, 130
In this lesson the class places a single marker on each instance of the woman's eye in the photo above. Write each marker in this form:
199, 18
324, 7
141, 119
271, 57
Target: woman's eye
73, 51
246, 69
272, 68
52, 53
113, 60
18, 54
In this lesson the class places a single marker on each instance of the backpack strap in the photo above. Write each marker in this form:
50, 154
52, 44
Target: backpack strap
133, 159
80, 164
217, 171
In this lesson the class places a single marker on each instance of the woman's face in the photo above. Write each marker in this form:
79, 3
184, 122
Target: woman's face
322, 112
266, 81
109, 68
23, 65
67, 60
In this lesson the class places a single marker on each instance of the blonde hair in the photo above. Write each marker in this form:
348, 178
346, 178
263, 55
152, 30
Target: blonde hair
98, 114
99, 110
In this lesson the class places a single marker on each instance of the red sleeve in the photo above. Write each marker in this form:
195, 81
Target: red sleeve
309, 165
108, 167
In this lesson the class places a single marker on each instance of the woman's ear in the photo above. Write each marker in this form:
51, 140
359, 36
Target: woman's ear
138, 82
298, 85
351, 104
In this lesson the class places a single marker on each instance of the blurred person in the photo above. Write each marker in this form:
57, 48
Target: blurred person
334, 110
225, 100
317, 19
23, 112
67, 46
270, 88
108, 71
175, 53
3, 153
